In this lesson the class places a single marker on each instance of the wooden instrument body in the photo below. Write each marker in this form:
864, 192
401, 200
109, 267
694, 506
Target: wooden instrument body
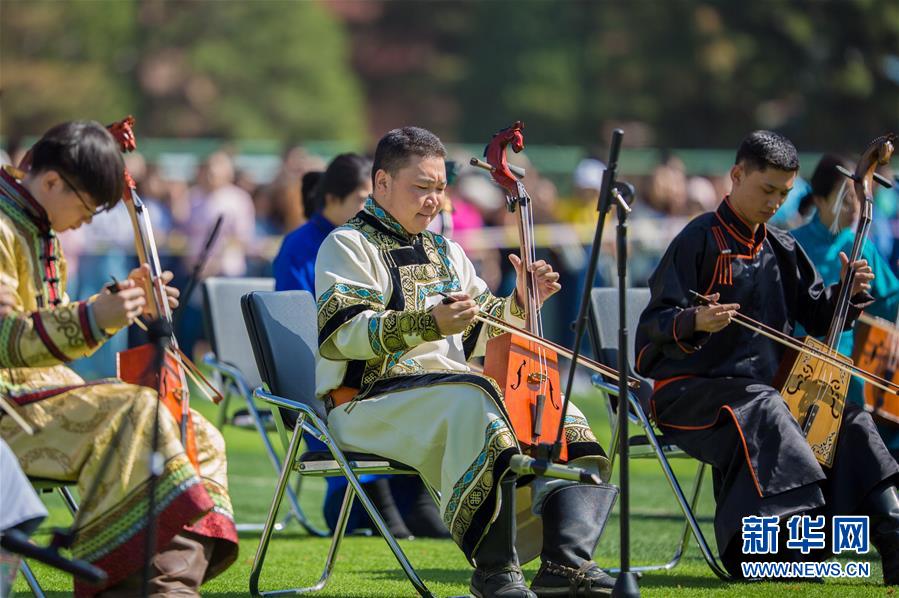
815, 392
532, 391
876, 349
814, 389
138, 366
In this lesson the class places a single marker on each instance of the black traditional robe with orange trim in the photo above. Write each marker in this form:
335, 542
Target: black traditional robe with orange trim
712, 393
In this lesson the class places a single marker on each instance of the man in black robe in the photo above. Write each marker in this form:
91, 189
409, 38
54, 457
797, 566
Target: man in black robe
713, 393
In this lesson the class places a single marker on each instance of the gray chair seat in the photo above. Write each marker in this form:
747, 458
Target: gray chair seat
283, 332
323, 462
232, 359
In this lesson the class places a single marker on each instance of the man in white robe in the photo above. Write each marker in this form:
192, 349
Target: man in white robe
392, 371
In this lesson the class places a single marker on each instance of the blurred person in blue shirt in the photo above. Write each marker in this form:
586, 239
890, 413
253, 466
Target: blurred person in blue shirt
329, 200
830, 231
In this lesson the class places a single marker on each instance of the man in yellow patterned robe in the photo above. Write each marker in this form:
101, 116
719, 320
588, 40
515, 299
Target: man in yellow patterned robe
392, 371
77, 170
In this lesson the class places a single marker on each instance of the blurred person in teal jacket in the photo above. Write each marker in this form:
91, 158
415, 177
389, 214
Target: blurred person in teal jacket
832, 230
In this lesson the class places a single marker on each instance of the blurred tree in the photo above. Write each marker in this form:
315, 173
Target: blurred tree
64, 60
276, 69
698, 73
683, 73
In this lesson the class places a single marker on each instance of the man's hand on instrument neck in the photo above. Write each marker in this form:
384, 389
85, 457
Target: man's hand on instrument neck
712, 318
863, 274
455, 313
141, 277
547, 280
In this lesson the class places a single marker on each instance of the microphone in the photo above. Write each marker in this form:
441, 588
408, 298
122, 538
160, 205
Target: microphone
524, 465
15, 541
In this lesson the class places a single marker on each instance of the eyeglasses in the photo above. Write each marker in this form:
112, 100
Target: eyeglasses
93, 211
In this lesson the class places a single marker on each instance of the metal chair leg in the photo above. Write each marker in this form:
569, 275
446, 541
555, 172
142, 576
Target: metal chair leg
318, 428
346, 506
67, 498
685, 505
377, 519
33, 584
283, 479
295, 509
235, 381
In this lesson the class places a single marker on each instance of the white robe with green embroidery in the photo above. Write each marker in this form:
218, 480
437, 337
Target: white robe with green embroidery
418, 402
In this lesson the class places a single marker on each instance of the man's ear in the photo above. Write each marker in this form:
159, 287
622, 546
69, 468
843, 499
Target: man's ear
382, 181
737, 172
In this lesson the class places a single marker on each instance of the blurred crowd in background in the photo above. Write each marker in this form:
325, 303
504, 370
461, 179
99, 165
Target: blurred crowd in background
328, 76
257, 215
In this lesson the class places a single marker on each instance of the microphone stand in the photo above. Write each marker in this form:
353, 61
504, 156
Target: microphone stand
626, 584
612, 190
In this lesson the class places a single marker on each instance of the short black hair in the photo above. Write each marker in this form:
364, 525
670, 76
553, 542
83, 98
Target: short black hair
397, 146
344, 175
761, 149
87, 156
309, 191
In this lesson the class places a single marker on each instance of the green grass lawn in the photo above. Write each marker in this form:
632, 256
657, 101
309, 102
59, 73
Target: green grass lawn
365, 566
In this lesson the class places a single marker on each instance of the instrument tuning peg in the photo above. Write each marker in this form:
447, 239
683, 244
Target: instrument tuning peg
516, 170
847, 173
883, 180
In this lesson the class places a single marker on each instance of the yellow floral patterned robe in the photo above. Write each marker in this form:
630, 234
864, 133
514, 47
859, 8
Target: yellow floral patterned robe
77, 420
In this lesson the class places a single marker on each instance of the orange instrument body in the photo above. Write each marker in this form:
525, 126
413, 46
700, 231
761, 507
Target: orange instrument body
876, 349
816, 390
529, 377
139, 364
527, 372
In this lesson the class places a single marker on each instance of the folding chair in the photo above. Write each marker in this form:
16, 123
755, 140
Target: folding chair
604, 336
44, 486
284, 334
232, 359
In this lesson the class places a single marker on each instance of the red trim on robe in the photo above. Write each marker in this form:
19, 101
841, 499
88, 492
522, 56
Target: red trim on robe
45, 338
128, 557
86, 325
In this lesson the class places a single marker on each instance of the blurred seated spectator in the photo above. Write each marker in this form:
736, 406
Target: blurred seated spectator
475, 195
701, 196
215, 195
284, 192
587, 181
667, 191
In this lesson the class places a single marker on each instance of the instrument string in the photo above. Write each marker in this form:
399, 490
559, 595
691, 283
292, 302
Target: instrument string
797, 345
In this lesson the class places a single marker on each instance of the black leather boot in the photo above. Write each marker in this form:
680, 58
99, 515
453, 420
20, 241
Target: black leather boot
421, 514
882, 508
573, 520
381, 495
497, 573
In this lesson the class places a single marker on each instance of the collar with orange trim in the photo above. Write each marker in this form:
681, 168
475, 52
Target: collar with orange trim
739, 229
